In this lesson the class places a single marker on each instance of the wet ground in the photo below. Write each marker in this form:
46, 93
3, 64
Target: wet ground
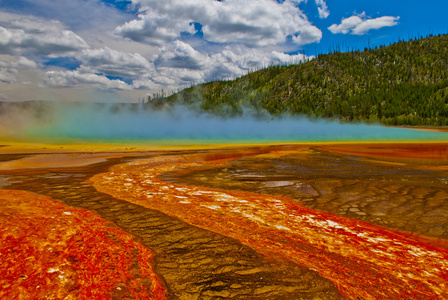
408, 197
193, 262
401, 192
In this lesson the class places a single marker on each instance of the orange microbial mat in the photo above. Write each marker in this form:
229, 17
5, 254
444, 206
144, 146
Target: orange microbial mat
328, 221
53, 251
363, 260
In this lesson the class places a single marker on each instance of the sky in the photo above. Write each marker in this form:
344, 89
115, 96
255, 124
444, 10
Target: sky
123, 51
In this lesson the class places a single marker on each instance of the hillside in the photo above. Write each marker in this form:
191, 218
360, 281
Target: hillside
405, 83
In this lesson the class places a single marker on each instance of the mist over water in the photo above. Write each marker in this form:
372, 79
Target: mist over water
138, 123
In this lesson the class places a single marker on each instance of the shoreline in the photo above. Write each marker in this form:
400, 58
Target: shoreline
20, 147
431, 154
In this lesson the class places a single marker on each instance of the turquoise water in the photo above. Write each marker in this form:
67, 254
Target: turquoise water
186, 127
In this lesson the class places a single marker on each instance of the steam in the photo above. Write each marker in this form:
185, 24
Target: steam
62, 122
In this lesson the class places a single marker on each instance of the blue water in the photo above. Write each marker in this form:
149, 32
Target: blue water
82, 122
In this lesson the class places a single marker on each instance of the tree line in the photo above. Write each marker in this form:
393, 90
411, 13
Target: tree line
404, 83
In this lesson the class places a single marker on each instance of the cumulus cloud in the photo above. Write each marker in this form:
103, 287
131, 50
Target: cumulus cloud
361, 24
114, 63
31, 35
322, 8
252, 23
9, 69
234, 37
59, 79
97, 65
176, 65
180, 55
228, 63
92, 15
154, 29
8, 75
377, 23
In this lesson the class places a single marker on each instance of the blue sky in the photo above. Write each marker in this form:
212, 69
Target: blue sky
416, 19
110, 50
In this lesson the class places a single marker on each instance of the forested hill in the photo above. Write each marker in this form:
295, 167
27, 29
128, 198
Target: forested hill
405, 83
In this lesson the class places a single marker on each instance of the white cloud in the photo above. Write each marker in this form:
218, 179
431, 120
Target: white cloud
92, 15
179, 64
154, 29
176, 66
18, 62
322, 8
347, 25
377, 23
59, 79
238, 37
93, 20
252, 23
114, 63
9, 68
279, 58
98, 64
180, 55
31, 35
360, 24
8, 75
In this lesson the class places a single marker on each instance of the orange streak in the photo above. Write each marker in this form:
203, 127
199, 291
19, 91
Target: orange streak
50, 250
362, 259
433, 151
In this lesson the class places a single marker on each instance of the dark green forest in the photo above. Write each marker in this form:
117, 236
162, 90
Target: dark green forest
404, 83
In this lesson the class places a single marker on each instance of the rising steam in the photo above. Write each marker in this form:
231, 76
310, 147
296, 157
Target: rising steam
46, 120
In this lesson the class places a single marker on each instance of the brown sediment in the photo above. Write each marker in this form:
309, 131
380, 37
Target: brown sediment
427, 128
61, 160
362, 259
52, 160
411, 153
